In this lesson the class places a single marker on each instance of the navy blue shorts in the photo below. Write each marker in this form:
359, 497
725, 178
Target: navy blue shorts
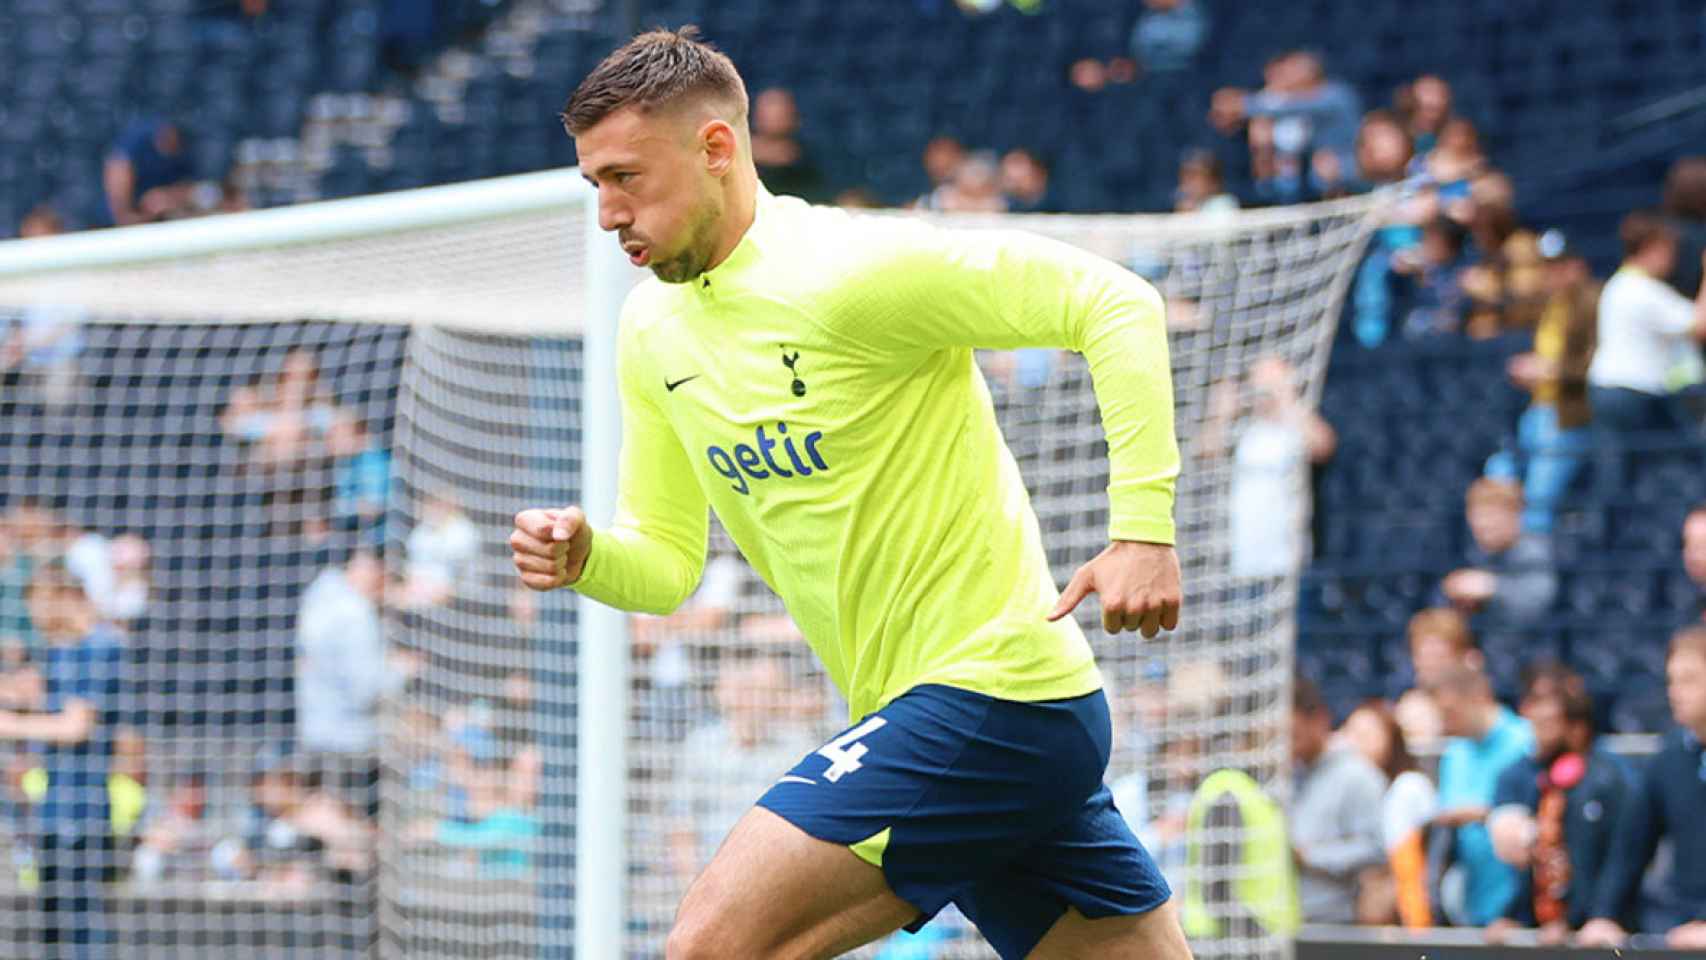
994, 805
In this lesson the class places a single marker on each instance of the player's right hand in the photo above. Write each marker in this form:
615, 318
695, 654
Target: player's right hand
550, 546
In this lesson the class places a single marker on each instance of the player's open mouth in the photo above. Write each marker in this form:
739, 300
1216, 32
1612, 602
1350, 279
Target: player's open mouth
638, 254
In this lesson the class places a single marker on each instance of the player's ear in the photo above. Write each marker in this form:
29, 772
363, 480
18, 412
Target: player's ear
720, 143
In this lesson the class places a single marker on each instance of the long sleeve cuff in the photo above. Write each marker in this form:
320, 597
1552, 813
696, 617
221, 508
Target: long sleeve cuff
1141, 510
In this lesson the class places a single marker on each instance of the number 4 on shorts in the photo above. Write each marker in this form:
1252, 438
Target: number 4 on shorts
845, 751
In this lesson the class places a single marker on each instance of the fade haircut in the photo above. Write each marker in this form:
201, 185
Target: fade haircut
654, 71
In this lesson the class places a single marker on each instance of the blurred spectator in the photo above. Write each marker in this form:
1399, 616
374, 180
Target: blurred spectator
1453, 161
943, 156
361, 478
1486, 737
177, 837
1165, 42
279, 418
1303, 126
1275, 444
1383, 154
1555, 812
1440, 642
292, 835
343, 669
1383, 151
128, 559
1168, 35
1694, 562
127, 787
1685, 205
1425, 105
441, 552
1488, 210
1024, 182
975, 188
39, 345
1202, 187
73, 733
726, 765
1552, 435
1666, 804
274, 851
784, 165
1649, 334
1436, 302
148, 173
500, 826
1510, 576
1507, 287
1334, 816
1406, 809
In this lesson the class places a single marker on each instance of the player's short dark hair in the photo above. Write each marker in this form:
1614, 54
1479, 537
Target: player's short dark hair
655, 70
1642, 228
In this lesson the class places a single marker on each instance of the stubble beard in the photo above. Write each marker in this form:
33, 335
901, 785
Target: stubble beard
693, 259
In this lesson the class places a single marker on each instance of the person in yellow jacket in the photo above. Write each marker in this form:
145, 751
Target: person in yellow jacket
1245, 888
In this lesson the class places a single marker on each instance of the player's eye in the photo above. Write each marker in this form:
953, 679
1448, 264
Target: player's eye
624, 178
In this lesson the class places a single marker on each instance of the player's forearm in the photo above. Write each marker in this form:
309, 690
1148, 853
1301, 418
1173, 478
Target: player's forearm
1126, 346
633, 571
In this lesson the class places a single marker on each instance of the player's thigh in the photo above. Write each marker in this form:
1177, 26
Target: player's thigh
1155, 935
773, 892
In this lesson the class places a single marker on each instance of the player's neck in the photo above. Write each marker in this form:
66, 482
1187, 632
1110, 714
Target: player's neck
742, 209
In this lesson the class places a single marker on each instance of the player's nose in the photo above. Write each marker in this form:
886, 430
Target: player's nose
613, 215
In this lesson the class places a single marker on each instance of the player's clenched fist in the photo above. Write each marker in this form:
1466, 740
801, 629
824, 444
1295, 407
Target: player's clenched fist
1137, 582
550, 546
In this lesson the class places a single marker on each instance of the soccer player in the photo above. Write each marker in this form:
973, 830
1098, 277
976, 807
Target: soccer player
809, 375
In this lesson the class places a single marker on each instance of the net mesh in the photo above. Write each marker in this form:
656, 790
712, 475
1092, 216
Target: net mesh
345, 728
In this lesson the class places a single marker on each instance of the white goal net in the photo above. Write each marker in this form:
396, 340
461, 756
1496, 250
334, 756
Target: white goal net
288, 697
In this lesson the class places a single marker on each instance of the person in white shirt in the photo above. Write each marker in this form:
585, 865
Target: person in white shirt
1406, 809
1272, 444
442, 552
342, 665
1649, 335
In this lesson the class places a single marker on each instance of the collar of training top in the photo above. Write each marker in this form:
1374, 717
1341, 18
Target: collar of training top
747, 251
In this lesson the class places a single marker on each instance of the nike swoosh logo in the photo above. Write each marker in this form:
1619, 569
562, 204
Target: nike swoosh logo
667, 385
790, 778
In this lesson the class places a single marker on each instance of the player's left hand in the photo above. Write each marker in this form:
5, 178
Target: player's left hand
1137, 582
